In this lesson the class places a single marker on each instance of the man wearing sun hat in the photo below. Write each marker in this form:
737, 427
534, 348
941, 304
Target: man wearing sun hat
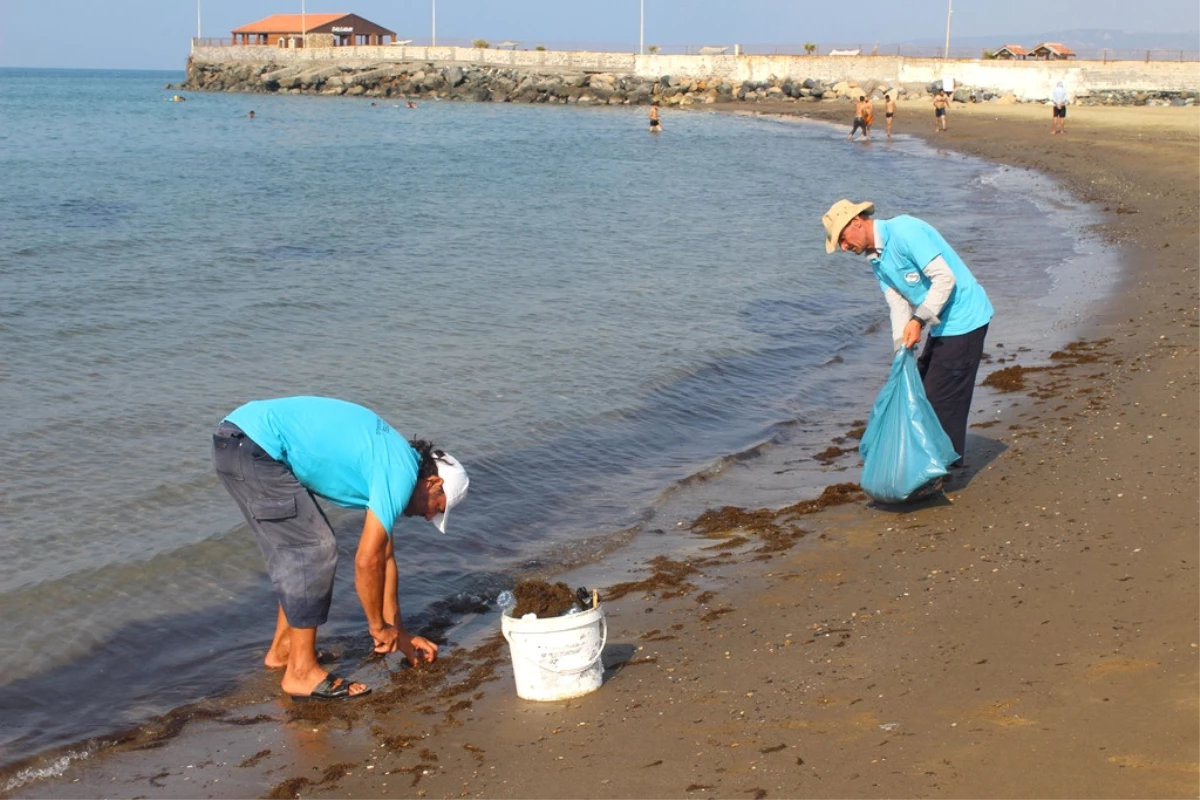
926, 285
275, 457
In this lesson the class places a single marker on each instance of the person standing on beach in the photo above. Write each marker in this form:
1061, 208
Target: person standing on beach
1058, 98
940, 103
926, 285
868, 115
655, 122
860, 122
889, 111
274, 458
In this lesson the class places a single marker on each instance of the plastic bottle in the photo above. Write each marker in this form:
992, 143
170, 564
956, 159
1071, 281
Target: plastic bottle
507, 601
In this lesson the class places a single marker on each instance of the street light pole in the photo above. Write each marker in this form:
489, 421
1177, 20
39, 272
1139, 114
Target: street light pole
303, 26
198, 33
949, 13
642, 30
433, 35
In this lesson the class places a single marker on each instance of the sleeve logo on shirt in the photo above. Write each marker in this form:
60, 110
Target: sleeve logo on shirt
381, 427
912, 278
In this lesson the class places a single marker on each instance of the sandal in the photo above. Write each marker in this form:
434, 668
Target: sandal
334, 687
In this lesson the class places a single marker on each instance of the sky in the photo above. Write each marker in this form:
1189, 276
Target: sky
156, 34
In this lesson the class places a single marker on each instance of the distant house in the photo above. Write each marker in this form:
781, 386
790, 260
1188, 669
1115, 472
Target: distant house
337, 30
1052, 51
1012, 51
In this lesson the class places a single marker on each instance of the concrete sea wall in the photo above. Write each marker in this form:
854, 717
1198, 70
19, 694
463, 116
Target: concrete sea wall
390, 71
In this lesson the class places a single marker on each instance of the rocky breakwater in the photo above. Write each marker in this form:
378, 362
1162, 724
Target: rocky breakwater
490, 84
495, 84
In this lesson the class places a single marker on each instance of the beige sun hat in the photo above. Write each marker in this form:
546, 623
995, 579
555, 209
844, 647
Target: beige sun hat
838, 217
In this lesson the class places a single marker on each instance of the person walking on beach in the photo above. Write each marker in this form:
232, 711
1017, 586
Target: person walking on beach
940, 103
655, 122
274, 458
860, 122
1058, 98
889, 111
926, 285
868, 115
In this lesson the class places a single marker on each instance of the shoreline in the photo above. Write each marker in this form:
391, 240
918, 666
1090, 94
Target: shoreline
870, 659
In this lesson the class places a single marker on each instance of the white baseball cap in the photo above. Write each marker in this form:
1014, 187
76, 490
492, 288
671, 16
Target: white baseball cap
454, 484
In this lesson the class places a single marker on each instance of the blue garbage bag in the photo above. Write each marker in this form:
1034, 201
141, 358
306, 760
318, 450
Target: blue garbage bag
904, 449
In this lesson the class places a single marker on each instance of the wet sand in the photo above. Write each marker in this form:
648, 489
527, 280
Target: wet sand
1032, 634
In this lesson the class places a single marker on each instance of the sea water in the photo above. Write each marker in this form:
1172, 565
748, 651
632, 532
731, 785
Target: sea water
582, 312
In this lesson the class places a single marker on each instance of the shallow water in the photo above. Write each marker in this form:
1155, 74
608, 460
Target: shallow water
583, 313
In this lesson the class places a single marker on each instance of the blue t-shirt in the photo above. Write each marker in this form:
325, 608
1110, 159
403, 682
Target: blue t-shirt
907, 245
338, 450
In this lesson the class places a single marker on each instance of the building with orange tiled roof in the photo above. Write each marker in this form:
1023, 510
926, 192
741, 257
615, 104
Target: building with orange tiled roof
1052, 51
284, 30
1012, 51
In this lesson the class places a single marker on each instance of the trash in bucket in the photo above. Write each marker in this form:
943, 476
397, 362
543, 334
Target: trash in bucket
555, 657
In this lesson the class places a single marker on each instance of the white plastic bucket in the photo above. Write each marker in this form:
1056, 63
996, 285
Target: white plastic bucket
558, 657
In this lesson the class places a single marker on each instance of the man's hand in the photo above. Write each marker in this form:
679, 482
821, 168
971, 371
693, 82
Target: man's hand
418, 649
912, 334
387, 639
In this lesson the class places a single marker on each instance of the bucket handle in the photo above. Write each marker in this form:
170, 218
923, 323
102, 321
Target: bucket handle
516, 648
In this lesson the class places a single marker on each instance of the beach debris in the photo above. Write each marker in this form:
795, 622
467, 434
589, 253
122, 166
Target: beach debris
543, 599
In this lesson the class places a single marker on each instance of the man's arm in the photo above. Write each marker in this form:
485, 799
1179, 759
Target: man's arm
415, 648
900, 311
941, 279
370, 579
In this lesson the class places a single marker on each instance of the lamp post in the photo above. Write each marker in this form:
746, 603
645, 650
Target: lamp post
303, 26
433, 33
642, 30
198, 33
949, 13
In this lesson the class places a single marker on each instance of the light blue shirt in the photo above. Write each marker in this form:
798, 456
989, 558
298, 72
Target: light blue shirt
907, 245
338, 450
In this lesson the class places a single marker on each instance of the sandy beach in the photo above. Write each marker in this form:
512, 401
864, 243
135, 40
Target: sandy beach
1034, 633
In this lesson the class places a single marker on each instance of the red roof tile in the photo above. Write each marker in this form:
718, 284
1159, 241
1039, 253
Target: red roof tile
288, 23
1056, 47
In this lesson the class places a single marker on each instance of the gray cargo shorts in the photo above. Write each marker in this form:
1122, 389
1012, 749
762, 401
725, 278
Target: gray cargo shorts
293, 533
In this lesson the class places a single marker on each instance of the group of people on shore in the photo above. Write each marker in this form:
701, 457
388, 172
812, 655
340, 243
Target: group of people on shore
864, 115
864, 111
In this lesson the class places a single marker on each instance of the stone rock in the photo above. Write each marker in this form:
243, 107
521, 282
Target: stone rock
453, 75
844, 88
313, 78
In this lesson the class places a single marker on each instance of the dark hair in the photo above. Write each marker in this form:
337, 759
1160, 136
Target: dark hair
428, 457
